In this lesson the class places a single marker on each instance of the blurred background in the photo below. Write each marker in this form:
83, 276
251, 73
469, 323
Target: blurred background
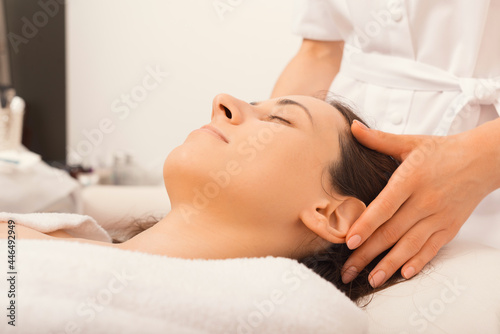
201, 48
98, 92
117, 82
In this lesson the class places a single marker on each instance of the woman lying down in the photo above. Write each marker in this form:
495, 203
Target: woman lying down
283, 178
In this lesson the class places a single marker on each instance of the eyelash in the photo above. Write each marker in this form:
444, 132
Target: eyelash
281, 119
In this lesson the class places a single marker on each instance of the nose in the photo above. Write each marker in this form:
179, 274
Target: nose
229, 108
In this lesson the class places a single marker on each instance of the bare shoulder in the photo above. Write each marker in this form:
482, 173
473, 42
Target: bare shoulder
10, 228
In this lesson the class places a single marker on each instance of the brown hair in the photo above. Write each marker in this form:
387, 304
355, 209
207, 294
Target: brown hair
361, 173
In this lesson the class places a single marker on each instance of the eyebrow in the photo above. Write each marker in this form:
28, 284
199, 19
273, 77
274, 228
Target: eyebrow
285, 102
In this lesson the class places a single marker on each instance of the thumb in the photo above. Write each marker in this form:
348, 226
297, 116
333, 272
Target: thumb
383, 142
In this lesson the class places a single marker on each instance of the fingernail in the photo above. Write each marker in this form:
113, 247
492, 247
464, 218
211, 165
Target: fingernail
377, 279
409, 272
349, 274
361, 125
354, 241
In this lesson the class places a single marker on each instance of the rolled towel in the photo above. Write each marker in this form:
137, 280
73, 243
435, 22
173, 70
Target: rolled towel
79, 226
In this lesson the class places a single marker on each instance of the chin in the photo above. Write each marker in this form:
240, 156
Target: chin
187, 167
178, 164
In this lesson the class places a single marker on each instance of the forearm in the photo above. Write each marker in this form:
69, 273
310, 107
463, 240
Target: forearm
486, 142
491, 136
312, 70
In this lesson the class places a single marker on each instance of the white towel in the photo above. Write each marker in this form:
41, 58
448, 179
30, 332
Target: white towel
71, 287
79, 226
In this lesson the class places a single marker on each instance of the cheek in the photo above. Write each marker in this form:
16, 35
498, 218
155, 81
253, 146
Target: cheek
278, 179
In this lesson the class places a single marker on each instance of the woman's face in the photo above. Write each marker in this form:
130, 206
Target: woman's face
258, 163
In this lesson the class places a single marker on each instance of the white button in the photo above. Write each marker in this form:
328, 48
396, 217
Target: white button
396, 118
397, 14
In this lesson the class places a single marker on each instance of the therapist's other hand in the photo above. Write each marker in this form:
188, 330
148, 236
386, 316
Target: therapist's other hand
425, 203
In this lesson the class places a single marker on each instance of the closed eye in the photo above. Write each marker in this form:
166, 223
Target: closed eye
281, 119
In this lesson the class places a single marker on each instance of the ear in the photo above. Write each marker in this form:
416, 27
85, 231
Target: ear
332, 220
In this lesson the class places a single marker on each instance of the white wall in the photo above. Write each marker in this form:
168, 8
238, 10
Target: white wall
112, 44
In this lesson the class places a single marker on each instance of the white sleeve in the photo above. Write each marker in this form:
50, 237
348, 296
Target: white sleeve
313, 20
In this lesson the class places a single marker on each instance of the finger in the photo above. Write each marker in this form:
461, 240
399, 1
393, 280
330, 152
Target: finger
429, 250
382, 239
407, 247
383, 142
380, 210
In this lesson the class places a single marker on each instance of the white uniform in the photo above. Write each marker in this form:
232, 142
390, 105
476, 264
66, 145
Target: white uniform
417, 67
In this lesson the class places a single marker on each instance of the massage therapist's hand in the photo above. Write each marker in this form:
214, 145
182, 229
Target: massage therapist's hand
426, 201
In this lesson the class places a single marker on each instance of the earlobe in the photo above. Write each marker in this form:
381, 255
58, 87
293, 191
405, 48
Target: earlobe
332, 222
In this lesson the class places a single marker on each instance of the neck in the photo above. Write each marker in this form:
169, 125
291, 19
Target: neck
188, 235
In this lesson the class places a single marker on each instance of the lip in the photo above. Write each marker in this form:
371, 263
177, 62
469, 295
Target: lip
215, 131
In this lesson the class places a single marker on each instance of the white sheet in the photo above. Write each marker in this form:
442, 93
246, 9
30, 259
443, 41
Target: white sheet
457, 293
